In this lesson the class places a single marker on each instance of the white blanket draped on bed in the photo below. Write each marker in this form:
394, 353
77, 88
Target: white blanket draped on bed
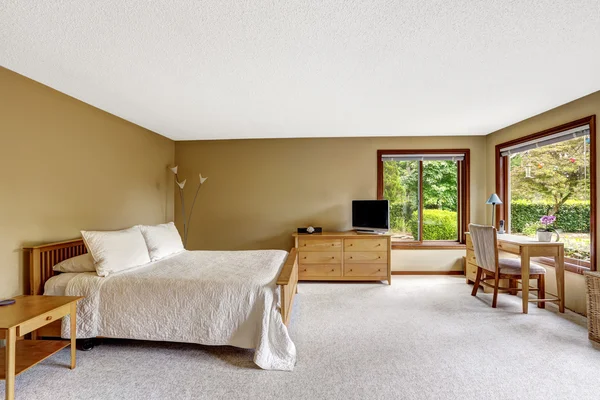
205, 297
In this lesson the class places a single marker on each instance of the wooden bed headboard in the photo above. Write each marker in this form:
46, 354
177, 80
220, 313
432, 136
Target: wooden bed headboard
42, 258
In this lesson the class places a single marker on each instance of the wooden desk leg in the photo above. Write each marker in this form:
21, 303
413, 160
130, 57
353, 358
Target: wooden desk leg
11, 344
559, 264
73, 333
525, 277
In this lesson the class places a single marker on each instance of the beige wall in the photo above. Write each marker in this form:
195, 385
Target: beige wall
67, 166
590, 105
259, 191
428, 260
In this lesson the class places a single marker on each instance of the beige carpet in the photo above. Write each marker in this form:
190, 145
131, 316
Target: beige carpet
421, 338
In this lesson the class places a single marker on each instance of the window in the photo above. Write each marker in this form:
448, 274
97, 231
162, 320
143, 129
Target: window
428, 195
552, 173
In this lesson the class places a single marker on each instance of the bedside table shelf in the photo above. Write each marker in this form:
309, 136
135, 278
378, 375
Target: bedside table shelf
31, 352
27, 315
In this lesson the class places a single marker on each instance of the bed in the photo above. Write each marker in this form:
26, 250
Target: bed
238, 298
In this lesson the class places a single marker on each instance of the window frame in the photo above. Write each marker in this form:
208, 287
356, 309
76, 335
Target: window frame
502, 182
464, 197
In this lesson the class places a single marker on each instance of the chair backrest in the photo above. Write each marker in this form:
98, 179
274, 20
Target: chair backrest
485, 244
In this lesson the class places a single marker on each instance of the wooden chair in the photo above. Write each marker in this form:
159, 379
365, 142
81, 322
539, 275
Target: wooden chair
490, 267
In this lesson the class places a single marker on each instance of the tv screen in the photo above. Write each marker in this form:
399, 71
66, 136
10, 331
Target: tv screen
371, 215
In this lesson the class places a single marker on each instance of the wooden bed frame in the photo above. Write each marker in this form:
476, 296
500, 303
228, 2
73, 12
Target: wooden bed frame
42, 258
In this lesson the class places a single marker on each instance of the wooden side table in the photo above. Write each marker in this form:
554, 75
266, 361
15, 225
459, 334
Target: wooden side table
26, 315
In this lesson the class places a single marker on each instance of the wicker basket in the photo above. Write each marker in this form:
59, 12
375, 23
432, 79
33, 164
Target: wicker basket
592, 280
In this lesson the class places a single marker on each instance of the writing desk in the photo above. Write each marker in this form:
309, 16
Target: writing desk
526, 248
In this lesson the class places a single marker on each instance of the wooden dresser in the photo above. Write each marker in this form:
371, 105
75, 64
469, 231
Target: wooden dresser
470, 262
344, 256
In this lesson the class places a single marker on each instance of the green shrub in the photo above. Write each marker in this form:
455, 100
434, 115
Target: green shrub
573, 216
400, 214
530, 228
437, 225
576, 247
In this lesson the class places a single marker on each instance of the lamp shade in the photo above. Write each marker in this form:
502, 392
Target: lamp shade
494, 199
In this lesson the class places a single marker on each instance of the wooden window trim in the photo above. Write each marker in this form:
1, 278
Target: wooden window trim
464, 197
502, 179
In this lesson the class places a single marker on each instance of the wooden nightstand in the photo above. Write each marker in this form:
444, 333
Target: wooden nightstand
26, 315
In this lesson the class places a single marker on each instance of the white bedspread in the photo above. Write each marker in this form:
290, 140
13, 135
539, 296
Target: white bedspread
205, 297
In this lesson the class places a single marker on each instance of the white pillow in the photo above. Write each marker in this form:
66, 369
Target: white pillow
81, 263
162, 240
115, 251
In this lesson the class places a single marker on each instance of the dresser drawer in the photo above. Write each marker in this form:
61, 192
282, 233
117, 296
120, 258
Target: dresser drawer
320, 257
314, 244
43, 319
366, 270
365, 244
365, 257
470, 271
471, 257
319, 271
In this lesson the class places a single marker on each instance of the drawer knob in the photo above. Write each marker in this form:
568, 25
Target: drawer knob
304, 245
351, 257
378, 244
333, 244
304, 269
332, 270
332, 257
350, 270
351, 245
378, 256
379, 270
49, 318
305, 257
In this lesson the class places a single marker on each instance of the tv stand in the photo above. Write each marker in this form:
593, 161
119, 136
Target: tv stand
344, 256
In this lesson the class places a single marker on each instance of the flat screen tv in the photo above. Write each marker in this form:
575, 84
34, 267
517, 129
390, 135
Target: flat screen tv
371, 215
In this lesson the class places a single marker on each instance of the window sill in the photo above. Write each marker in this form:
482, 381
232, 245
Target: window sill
570, 267
429, 245
576, 269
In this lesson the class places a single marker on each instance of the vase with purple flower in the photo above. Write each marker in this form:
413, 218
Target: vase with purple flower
545, 234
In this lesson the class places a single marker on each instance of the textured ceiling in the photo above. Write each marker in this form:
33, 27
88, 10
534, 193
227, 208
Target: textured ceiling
219, 69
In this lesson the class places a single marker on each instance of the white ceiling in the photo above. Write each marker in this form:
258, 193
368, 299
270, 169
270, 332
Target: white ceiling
220, 69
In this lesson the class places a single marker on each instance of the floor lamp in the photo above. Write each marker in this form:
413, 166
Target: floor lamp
493, 200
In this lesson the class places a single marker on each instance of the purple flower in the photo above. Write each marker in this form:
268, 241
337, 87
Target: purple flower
547, 219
